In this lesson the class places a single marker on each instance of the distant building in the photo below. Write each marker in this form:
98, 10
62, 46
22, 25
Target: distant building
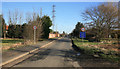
53, 35
7, 27
57, 35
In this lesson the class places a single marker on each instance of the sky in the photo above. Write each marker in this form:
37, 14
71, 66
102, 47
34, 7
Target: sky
67, 13
61, 0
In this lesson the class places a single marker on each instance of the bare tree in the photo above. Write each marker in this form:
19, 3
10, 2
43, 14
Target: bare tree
28, 17
9, 19
21, 18
15, 18
33, 20
111, 17
103, 17
3, 27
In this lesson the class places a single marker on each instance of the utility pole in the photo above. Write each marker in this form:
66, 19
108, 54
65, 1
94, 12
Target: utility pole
53, 17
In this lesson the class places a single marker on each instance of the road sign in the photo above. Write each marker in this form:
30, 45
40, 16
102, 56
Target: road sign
82, 35
82, 29
34, 27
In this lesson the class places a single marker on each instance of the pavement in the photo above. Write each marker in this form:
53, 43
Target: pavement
60, 54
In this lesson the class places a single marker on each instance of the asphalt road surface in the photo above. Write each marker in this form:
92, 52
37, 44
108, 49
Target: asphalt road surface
61, 54
54, 55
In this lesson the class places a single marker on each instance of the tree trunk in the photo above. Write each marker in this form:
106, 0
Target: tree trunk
4, 34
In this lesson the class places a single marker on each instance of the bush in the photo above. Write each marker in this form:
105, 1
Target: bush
93, 39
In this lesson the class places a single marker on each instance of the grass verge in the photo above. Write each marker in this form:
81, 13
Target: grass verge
97, 48
9, 42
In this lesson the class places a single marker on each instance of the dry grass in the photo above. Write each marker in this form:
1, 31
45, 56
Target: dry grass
8, 43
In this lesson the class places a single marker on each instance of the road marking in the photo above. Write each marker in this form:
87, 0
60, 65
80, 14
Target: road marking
26, 53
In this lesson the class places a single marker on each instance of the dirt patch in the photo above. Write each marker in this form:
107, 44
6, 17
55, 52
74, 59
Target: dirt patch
88, 60
114, 47
12, 46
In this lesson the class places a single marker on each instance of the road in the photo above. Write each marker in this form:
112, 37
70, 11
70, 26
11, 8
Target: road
61, 54
53, 55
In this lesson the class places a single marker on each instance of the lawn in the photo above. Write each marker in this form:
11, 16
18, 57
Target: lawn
84, 42
106, 50
9, 42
